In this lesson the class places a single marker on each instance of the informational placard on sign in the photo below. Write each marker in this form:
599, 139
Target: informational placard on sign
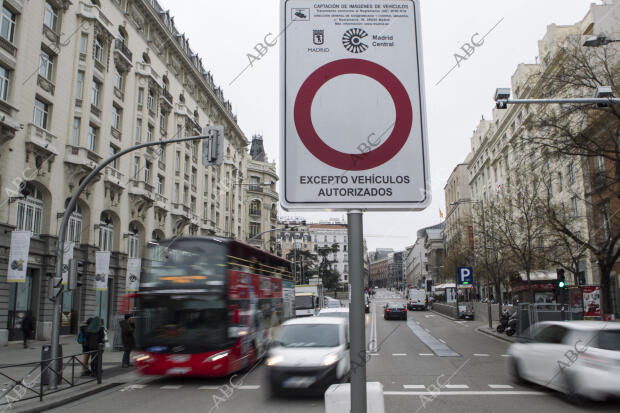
67, 256
133, 274
353, 114
18, 256
102, 270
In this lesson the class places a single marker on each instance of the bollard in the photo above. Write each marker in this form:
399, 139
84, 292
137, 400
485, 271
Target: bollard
100, 363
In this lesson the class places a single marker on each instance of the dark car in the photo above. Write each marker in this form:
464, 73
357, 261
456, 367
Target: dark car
395, 310
366, 303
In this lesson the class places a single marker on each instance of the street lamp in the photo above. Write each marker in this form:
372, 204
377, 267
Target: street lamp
602, 97
600, 40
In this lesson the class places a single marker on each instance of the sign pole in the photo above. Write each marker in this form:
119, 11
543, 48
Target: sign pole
356, 312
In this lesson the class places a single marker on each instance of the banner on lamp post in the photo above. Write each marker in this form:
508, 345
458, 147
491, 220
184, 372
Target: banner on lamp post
102, 270
67, 256
132, 282
18, 256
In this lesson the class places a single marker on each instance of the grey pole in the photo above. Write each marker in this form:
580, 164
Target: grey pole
356, 312
63, 230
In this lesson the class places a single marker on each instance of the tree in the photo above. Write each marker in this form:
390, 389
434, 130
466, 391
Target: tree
305, 261
325, 266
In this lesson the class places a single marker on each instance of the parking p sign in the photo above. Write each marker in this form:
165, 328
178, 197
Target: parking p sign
465, 276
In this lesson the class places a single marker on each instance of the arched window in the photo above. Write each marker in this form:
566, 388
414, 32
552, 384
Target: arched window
133, 242
30, 210
74, 231
182, 98
255, 208
122, 35
98, 50
146, 59
106, 232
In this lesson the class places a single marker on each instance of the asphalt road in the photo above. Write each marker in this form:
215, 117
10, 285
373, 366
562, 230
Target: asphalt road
406, 361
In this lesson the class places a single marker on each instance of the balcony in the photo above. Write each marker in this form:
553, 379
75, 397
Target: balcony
115, 133
255, 188
161, 202
119, 94
46, 84
166, 97
114, 177
145, 69
141, 189
122, 50
82, 157
95, 110
41, 140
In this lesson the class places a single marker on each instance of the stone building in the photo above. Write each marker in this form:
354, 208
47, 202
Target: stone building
79, 81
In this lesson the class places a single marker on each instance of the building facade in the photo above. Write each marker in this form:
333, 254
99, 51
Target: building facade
82, 80
458, 205
379, 272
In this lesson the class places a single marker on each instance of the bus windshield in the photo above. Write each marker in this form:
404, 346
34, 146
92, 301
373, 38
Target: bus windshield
185, 263
304, 302
195, 323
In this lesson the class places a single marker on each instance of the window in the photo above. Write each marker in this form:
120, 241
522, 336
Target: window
140, 96
192, 204
118, 79
205, 210
41, 113
160, 184
177, 162
113, 151
186, 166
98, 50
150, 100
559, 181
193, 180
74, 232
254, 229
4, 83
46, 65
92, 138
185, 194
179, 131
116, 117
50, 18
147, 172
136, 167
83, 43
75, 141
575, 206
133, 245
176, 193
138, 130
106, 232
205, 183
7, 25
255, 207
571, 173
94, 98
604, 222
30, 211
600, 164
149, 133
163, 119
79, 88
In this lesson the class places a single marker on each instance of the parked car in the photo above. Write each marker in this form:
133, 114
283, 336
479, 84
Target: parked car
578, 358
395, 310
308, 355
332, 303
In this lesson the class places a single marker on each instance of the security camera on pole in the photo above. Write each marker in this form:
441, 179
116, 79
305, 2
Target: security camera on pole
353, 129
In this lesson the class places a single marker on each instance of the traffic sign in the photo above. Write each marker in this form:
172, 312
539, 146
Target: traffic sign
465, 276
353, 112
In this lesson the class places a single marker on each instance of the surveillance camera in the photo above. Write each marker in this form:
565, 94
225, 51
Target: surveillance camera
502, 94
603, 92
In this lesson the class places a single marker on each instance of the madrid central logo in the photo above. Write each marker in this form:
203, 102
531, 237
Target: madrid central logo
352, 40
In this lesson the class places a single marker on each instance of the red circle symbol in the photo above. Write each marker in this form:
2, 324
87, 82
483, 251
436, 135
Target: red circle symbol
349, 161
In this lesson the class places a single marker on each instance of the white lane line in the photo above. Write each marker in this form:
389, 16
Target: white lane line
465, 393
374, 354
399, 354
414, 386
208, 387
505, 355
457, 386
443, 341
481, 355
426, 354
249, 387
133, 387
500, 386
427, 330
170, 387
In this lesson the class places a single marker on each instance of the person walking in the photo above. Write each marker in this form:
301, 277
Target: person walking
127, 329
27, 328
95, 335
82, 339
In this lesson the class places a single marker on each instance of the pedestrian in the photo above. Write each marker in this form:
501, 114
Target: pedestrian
82, 339
95, 336
127, 329
27, 328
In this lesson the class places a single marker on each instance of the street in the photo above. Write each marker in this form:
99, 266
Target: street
475, 380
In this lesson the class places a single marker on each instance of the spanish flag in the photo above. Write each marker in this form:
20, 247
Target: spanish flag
440, 214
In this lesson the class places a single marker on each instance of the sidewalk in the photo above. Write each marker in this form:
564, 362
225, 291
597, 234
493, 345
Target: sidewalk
14, 353
484, 329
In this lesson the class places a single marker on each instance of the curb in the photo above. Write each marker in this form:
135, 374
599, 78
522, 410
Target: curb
498, 337
70, 399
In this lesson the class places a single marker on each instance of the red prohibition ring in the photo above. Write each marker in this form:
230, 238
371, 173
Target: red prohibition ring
348, 161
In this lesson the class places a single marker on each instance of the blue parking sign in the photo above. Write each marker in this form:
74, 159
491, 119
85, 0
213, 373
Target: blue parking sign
465, 275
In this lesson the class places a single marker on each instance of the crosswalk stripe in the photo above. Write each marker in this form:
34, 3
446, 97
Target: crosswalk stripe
414, 386
481, 355
443, 341
249, 387
500, 386
466, 393
208, 387
505, 355
426, 354
170, 387
457, 386
399, 354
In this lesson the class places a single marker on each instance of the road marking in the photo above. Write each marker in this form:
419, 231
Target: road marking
249, 387
414, 386
170, 387
399, 354
500, 386
505, 355
443, 341
436, 346
481, 355
430, 315
374, 354
426, 354
464, 393
133, 387
457, 386
208, 387
427, 330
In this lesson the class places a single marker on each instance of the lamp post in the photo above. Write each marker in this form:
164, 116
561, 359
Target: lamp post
600, 40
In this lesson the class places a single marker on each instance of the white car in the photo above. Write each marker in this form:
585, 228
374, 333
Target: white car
309, 355
578, 358
332, 303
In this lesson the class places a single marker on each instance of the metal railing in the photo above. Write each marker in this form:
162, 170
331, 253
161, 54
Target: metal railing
34, 385
120, 46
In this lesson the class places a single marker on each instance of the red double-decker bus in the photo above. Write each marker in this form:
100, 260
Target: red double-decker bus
209, 306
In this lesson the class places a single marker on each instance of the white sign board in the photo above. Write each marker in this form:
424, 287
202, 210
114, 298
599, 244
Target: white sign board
18, 256
353, 115
132, 283
67, 256
102, 270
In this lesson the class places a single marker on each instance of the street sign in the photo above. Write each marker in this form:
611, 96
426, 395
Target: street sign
353, 121
213, 145
465, 276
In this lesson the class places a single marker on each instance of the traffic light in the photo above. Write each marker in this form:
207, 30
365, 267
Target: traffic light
561, 278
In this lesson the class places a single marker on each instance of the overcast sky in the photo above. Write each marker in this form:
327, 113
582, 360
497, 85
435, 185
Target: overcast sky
223, 32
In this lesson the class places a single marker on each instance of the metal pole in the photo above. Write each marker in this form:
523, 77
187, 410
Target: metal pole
63, 230
356, 312
559, 101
